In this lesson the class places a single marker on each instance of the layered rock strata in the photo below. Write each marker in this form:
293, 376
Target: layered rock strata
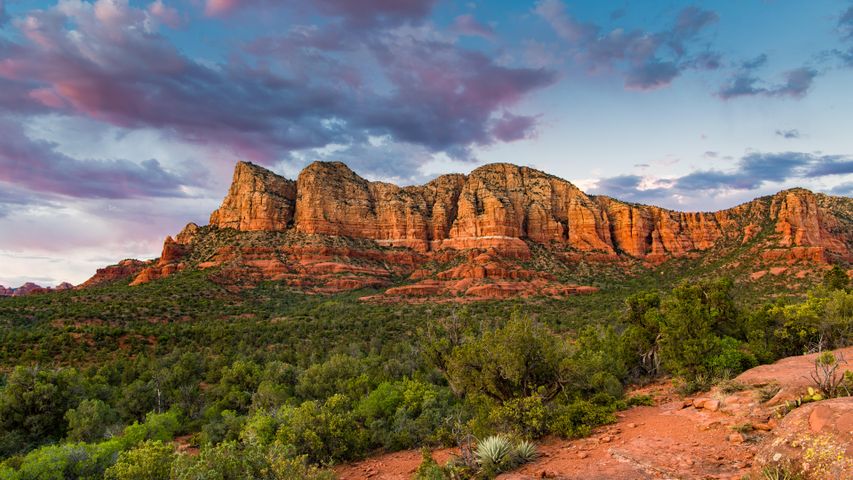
498, 210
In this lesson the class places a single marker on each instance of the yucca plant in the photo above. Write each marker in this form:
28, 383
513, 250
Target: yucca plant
525, 451
494, 453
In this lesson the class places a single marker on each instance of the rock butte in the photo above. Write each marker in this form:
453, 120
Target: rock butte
496, 213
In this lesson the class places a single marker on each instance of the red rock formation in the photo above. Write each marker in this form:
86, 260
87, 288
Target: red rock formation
258, 200
124, 269
333, 200
499, 209
501, 205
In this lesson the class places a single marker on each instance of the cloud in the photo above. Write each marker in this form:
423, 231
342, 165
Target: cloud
554, 12
752, 172
789, 134
4, 17
651, 75
690, 22
448, 102
649, 60
360, 14
468, 25
796, 84
830, 165
38, 166
845, 29
754, 63
845, 23
845, 189
741, 85
106, 61
167, 15
510, 128
629, 188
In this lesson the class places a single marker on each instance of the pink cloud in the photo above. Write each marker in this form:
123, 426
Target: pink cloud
215, 8
510, 128
48, 97
168, 15
468, 25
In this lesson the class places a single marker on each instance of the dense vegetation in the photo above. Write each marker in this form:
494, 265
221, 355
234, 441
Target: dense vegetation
271, 384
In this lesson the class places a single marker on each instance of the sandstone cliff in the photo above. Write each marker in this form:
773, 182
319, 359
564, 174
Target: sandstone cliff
258, 200
501, 204
498, 213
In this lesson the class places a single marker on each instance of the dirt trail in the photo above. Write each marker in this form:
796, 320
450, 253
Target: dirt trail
712, 436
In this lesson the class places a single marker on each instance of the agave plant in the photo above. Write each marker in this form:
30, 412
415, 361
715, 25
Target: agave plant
494, 452
526, 451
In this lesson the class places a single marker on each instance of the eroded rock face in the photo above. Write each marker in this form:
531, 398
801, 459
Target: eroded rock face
258, 200
112, 273
333, 200
499, 204
502, 211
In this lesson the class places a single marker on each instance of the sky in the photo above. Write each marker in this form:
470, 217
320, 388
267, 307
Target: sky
121, 120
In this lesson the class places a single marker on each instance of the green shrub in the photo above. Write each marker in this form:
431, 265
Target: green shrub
577, 419
322, 432
150, 460
90, 420
429, 469
526, 417
518, 360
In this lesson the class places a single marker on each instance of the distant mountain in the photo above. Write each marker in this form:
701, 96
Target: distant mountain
30, 288
501, 231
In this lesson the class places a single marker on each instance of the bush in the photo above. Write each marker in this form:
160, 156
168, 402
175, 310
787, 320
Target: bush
579, 417
518, 360
429, 469
526, 417
90, 420
150, 460
322, 432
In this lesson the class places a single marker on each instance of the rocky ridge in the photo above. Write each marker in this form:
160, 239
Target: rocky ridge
31, 288
476, 235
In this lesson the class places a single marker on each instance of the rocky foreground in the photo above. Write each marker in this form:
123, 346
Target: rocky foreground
502, 231
721, 434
